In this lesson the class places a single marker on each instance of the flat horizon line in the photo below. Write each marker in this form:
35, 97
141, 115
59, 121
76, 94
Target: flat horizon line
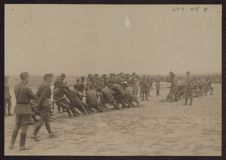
206, 73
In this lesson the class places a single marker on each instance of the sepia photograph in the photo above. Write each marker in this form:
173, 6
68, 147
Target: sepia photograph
112, 80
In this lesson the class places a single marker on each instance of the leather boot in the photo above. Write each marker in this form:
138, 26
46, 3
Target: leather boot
22, 141
13, 139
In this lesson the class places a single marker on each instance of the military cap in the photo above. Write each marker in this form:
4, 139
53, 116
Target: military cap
49, 75
62, 75
24, 75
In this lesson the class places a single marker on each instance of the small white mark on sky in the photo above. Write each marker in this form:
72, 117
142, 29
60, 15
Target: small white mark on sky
127, 22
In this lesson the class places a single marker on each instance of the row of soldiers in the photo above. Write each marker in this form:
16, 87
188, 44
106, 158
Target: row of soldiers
118, 90
131, 83
188, 88
95, 92
92, 94
88, 95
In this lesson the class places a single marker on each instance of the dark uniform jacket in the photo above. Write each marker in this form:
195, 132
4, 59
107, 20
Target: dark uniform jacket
107, 94
59, 84
91, 97
43, 95
144, 85
129, 92
80, 86
73, 97
23, 95
188, 84
59, 87
118, 90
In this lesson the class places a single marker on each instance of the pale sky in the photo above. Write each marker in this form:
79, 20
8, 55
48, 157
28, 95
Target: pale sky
81, 39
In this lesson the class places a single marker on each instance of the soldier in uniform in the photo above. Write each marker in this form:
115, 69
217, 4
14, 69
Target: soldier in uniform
120, 95
61, 101
149, 84
80, 85
133, 81
58, 94
188, 89
107, 97
129, 94
209, 83
23, 110
42, 106
157, 85
7, 97
92, 100
74, 98
173, 87
144, 88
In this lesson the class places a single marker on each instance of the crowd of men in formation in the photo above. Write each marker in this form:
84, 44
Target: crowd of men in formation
189, 87
94, 93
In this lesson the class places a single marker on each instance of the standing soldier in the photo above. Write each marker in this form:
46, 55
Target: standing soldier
209, 83
149, 81
188, 88
7, 97
42, 107
133, 81
23, 110
173, 87
144, 88
157, 85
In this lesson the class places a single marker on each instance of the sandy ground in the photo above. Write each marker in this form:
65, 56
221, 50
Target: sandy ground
155, 128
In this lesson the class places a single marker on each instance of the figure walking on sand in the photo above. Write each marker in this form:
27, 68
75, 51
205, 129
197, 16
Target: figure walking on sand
23, 110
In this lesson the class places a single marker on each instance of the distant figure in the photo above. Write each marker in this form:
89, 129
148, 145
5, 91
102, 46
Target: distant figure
210, 88
7, 97
43, 106
150, 85
129, 94
157, 86
144, 88
80, 85
188, 89
173, 87
23, 110
135, 84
